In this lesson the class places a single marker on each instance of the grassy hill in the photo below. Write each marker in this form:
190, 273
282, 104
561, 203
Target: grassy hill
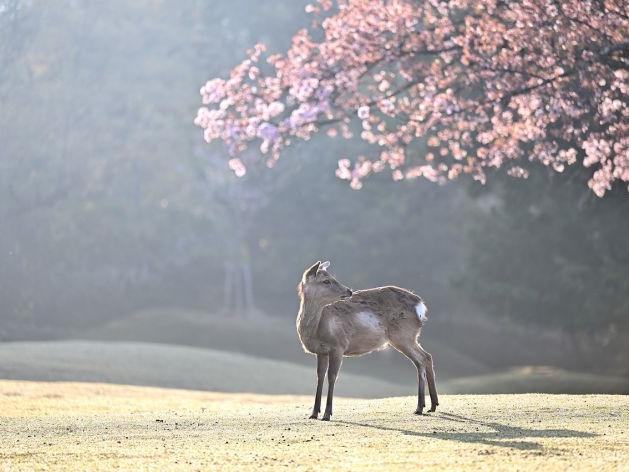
270, 338
469, 346
536, 379
78, 426
173, 366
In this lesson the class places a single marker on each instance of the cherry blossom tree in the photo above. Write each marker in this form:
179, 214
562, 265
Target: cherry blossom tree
439, 89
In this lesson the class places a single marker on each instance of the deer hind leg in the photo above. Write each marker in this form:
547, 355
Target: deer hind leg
430, 374
322, 367
336, 359
409, 347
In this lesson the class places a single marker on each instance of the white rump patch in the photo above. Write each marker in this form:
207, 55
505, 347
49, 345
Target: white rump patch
369, 320
421, 310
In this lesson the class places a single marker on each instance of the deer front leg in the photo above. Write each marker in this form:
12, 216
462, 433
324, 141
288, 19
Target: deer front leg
322, 367
336, 358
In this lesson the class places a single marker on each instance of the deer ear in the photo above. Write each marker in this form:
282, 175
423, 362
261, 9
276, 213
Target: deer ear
324, 265
312, 271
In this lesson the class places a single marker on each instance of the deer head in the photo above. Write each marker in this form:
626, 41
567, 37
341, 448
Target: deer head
317, 282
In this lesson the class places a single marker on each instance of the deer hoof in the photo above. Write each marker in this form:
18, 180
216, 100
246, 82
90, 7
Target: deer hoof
326, 418
433, 408
314, 416
419, 411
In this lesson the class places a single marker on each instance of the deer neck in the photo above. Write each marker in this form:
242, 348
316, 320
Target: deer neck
308, 317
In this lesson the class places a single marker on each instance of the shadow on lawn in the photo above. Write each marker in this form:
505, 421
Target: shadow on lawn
502, 435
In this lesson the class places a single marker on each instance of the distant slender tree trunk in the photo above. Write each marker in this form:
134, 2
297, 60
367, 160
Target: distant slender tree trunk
238, 294
243, 202
238, 298
228, 287
248, 289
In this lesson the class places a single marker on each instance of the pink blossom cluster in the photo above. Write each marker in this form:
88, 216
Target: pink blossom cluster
440, 88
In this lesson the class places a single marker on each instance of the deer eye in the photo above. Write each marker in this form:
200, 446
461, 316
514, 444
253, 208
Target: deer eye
327, 282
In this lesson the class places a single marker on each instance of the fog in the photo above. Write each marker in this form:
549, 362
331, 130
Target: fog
119, 224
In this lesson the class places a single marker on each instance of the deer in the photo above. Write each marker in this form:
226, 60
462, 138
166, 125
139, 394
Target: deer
335, 322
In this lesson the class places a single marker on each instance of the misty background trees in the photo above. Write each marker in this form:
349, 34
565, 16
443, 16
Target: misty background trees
111, 204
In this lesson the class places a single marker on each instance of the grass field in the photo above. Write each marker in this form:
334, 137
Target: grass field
266, 337
162, 365
88, 426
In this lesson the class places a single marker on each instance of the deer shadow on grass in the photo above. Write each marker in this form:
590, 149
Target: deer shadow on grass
502, 435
